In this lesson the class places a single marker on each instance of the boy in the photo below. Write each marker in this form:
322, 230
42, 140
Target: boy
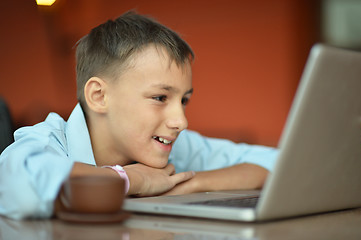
134, 81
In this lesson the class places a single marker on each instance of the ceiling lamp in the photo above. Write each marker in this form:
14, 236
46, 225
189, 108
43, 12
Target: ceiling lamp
45, 2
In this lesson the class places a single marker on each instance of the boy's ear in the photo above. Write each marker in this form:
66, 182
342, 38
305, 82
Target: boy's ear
95, 91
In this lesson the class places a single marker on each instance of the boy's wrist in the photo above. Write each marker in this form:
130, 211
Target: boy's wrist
134, 181
196, 183
122, 174
201, 182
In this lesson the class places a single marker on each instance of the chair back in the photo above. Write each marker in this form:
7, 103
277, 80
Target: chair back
6, 126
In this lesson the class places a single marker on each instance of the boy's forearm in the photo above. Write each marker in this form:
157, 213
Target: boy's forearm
82, 169
241, 176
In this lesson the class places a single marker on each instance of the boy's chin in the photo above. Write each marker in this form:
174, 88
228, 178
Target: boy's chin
160, 165
157, 162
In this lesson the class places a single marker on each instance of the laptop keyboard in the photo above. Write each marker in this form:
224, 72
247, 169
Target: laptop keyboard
250, 202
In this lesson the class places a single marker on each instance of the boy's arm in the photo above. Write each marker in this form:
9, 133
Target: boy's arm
240, 176
32, 170
144, 180
193, 151
220, 164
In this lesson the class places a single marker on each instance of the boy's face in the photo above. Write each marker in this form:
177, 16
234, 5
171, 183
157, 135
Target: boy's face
146, 107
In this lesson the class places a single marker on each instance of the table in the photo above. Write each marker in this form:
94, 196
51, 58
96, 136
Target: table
334, 225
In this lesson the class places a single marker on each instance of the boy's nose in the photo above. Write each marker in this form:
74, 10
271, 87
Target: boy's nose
177, 119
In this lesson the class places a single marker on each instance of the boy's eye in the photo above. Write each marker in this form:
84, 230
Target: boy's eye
161, 98
185, 101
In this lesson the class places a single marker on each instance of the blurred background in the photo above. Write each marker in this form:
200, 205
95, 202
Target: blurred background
249, 55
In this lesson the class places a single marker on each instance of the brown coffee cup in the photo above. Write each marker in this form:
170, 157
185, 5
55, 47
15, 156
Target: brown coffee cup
92, 194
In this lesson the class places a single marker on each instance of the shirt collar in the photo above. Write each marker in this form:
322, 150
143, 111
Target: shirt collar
78, 138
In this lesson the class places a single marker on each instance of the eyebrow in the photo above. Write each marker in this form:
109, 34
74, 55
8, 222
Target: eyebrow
170, 88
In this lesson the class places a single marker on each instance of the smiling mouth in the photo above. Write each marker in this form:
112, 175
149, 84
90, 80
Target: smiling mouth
162, 140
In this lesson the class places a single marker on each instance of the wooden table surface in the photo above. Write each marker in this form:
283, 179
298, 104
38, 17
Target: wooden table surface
335, 225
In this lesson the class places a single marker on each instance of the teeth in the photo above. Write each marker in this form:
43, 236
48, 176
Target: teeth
162, 140
166, 141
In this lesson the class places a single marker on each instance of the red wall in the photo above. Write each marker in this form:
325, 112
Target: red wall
249, 58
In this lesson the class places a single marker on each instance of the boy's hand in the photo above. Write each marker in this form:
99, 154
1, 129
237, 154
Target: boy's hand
148, 181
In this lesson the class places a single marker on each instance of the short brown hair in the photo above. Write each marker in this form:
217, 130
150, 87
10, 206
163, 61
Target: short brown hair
108, 46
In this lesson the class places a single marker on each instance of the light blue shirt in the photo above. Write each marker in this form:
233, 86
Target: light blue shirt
34, 167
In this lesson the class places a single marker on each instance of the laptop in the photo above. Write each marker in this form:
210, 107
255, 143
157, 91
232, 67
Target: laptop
319, 164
